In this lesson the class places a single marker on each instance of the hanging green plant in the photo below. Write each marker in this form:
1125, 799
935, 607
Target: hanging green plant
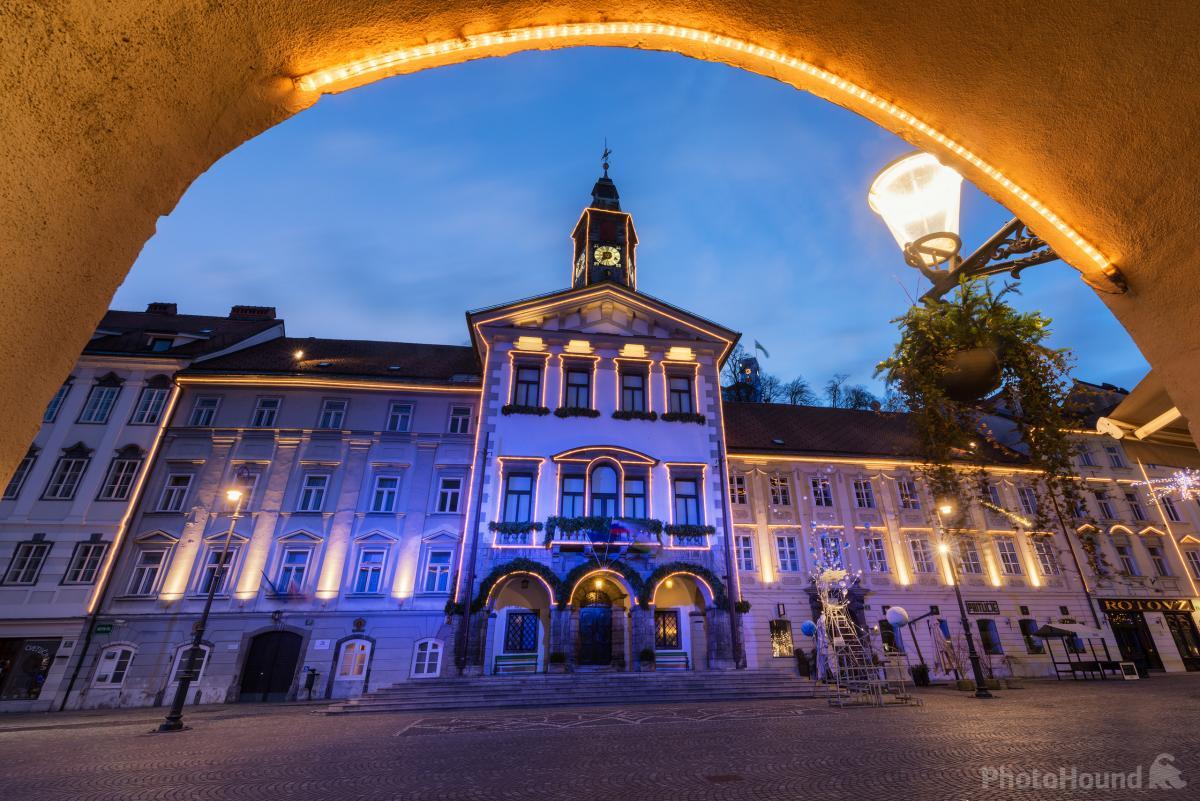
955, 352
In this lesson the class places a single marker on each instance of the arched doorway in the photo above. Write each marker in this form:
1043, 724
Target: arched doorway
681, 625
600, 626
595, 629
270, 667
517, 637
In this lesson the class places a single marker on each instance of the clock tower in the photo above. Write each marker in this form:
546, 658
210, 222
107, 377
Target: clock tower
605, 243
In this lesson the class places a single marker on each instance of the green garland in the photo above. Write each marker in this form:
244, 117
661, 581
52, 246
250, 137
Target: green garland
571, 525
720, 599
514, 528
514, 408
518, 565
575, 411
690, 530
623, 414
636, 583
683, 417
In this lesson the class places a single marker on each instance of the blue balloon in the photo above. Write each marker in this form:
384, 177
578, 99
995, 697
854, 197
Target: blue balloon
808, 628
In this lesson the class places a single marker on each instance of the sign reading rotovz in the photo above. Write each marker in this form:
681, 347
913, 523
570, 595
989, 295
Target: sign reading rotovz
1146, 605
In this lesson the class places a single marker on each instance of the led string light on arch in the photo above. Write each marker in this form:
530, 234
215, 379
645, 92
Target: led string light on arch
350, 74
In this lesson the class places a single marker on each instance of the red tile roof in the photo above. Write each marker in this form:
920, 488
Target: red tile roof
129, 332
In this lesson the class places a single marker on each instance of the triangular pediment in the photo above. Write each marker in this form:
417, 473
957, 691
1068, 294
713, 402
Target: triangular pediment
605, 309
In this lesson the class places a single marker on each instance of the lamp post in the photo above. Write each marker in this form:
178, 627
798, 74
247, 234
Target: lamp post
918, 198
944, 550
174, 719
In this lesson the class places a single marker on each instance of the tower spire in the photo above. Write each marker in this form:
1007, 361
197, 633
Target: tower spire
604, 193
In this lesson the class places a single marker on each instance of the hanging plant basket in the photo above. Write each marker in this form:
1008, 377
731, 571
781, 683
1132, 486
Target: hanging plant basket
971, 374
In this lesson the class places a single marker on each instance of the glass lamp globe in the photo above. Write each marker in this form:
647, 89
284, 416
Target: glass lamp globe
918, 198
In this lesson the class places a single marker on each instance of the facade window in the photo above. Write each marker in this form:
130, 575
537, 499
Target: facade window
26, 563
85, 563
312, 493
183, 664
1115, 459
99, 404
1193, 560
64, 481
1085, 458
789, 556
635, 498
968, 557
204, 410
520, 632
1106, 508
679, 398
1128, 560
577, 394
687, 502
518, 498
161, 344
781, 639
572, 497
399, 417
527, 389
218, 566
437, 571
1170, 508
293, 570
266, 411
1043, 548
150, 405
368, 576
994, 495
1135, 506
333, 414
427, 659
864, 494
822, 492
383, 498
989, 637
56, 403
745, 552
460, 420
604, 491
1033, 643
1159, 560
248, 484
781, 493
922, 555
1028, 498
633, 392
876, 554
113, 666
119, 479
832, 551
1010, 561
737, 490
13, 488
666, 629
352, 664
909, 499
449, 495
146, 571
175, 492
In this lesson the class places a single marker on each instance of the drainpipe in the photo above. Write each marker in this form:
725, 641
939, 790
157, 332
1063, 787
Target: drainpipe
735, 634
470, 582
118, 541
1075, 558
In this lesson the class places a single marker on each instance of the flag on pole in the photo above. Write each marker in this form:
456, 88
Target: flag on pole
758, 346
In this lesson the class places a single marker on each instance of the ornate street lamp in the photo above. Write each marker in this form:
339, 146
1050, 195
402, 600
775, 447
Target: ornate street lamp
944, 549
191, 661
918, 197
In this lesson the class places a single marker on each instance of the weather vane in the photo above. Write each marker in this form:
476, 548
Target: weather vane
604, 157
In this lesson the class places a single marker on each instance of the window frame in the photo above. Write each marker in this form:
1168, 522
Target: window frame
359, 660
330, 413
822, 491
388, 495
527, 391
210, 563
1192, 557
743, 545
968, 547
16, 482
139, 569
1116, 459
508, 644
81, 556
779, 488
289, 568
877, 557
405, 417
787, 553
1010, 555
28, 555
1170, 509
630, 394
676, 396
989, 636
864, 494
1158, 560
459, 421
105, 682
1047, 556
88, 413
107, 485
577, 499
431, 653
375, 570
663, 640
909, 496
264, 415
58, 475
920, 552
168, 489
150, 399
437, 572
200, 408
56, 403
572, 391
739, 494
1135, 506
445, 494
511, 494
307, 492
690, 502
1027, 496
182, 653
641, 497
1127, 558
604, 504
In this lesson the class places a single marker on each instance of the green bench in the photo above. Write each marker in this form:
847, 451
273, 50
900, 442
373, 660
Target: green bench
516, 663
670, 660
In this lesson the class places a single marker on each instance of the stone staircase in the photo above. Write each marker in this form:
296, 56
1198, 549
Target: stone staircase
581, 689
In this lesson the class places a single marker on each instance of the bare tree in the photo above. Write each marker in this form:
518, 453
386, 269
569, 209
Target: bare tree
834, 391
798, 392
729, 373
841, 395
771, 387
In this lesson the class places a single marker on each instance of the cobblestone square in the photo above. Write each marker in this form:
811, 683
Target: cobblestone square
759, 750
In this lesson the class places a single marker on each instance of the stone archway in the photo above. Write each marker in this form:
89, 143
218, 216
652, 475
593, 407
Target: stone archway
109, 119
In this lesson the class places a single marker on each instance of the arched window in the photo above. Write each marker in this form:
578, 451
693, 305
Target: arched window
114, 663
427, 659
198, 664
352, 663
604, 491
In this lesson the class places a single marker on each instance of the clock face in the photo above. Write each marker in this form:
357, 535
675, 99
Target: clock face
607, 255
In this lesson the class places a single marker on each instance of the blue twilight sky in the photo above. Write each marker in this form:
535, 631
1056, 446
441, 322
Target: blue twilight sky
386, 212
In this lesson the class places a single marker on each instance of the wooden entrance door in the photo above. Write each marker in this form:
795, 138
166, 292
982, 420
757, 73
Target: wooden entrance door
270, 667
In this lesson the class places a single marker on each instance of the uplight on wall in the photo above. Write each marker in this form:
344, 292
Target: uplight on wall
634, 351
678, 353
530, 343
578, 346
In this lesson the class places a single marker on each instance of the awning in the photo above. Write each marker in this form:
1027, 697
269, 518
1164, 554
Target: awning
1068, 630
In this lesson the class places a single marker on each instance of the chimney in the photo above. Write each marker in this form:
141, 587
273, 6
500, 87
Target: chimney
170, 309
252, 313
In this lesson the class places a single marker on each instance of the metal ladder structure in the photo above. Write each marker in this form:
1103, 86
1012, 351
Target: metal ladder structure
858, 678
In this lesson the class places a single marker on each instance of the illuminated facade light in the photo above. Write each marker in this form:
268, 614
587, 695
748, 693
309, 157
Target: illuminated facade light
680, 354
530, 343
634, 351
581, 346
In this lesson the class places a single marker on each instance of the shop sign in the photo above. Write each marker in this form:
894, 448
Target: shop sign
1146, 605
104, 628
983, 608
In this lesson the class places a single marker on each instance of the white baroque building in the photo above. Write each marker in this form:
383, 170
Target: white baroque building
568, 492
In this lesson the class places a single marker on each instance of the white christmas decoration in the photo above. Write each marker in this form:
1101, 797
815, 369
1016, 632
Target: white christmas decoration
1185, 482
